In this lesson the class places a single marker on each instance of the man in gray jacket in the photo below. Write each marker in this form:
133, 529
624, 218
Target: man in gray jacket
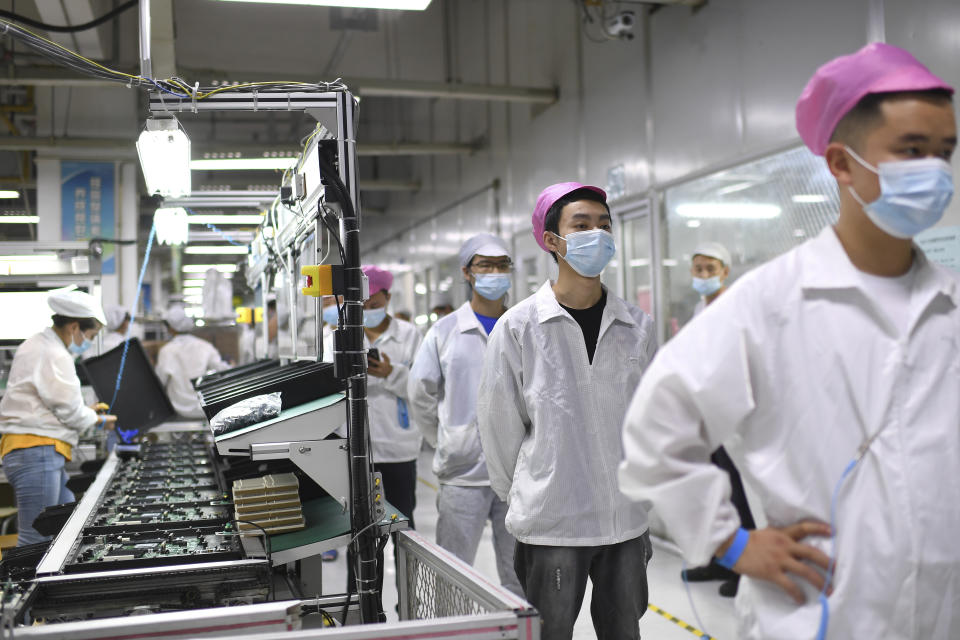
443, 398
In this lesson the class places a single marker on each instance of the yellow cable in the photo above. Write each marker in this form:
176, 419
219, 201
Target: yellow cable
173, 81
73, 53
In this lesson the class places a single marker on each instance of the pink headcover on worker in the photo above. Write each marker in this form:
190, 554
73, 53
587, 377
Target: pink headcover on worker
840, 84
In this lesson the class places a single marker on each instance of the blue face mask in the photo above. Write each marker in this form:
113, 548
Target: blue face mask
373, 317
79, 349
491, 286
330, 315
589, 252
913, 194
707, 286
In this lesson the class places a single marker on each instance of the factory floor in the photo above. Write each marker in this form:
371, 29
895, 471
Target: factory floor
666, 589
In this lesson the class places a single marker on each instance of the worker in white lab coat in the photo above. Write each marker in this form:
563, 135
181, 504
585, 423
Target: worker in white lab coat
118, 321
443, 403
837, 367
42, 413
395, 441
709, 272
558, 373
183, 359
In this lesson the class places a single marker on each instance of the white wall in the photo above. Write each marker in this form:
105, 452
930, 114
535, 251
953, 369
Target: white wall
723, 82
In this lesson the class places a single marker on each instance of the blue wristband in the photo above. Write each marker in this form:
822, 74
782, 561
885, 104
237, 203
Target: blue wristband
102, 421
736, 549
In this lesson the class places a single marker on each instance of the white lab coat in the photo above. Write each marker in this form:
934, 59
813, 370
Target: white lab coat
110, 340
181, 360
798, 363
443, 396
43, 392
390, 440
550, 420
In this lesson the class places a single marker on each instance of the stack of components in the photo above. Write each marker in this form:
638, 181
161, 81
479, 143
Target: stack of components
271, 502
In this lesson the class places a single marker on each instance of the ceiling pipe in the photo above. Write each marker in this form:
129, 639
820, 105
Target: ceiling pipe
364, 87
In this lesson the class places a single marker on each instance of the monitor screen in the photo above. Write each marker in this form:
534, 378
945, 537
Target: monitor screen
141, 401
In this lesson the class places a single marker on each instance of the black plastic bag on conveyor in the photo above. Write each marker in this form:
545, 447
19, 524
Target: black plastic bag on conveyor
246, 412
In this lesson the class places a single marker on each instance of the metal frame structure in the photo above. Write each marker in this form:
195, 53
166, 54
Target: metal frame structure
335, 111
429, 575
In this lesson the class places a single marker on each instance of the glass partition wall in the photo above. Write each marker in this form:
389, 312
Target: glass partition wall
757, 210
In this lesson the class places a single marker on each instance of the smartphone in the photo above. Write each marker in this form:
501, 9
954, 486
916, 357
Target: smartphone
373, 353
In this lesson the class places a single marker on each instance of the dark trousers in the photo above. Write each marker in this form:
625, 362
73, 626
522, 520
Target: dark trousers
554, 580
400, 490
400, 485
738, 496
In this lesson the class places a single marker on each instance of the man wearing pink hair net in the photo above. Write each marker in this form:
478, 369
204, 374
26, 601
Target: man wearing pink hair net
393, 344
835, 368
557, 375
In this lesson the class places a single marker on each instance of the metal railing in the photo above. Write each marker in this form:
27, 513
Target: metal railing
436, 584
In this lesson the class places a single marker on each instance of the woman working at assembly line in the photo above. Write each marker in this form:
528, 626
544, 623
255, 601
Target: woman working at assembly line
42, 413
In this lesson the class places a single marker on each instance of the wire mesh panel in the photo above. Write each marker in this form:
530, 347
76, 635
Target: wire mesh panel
434, 596
435, 584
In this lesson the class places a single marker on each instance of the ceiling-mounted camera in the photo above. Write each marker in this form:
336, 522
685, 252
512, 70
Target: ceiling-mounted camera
621, 25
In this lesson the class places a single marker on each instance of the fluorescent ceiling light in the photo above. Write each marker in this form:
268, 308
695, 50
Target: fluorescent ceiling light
187, 284
810, 198
225, 218
221, 249
733, 188
693, 224
192, 291
171, 224
19, 219
242, 237
9, 194
202, 268
728, 210
164, 151
242, 164
410, 5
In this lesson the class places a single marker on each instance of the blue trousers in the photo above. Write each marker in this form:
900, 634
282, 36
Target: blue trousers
38, 481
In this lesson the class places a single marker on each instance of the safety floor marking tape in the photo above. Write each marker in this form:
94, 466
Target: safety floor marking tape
680, 623
428, 483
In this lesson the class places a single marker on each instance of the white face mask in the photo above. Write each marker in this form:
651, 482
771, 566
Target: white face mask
589, 252
913, 194
373, 317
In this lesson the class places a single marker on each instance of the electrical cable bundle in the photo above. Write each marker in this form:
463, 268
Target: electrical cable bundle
175, 86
